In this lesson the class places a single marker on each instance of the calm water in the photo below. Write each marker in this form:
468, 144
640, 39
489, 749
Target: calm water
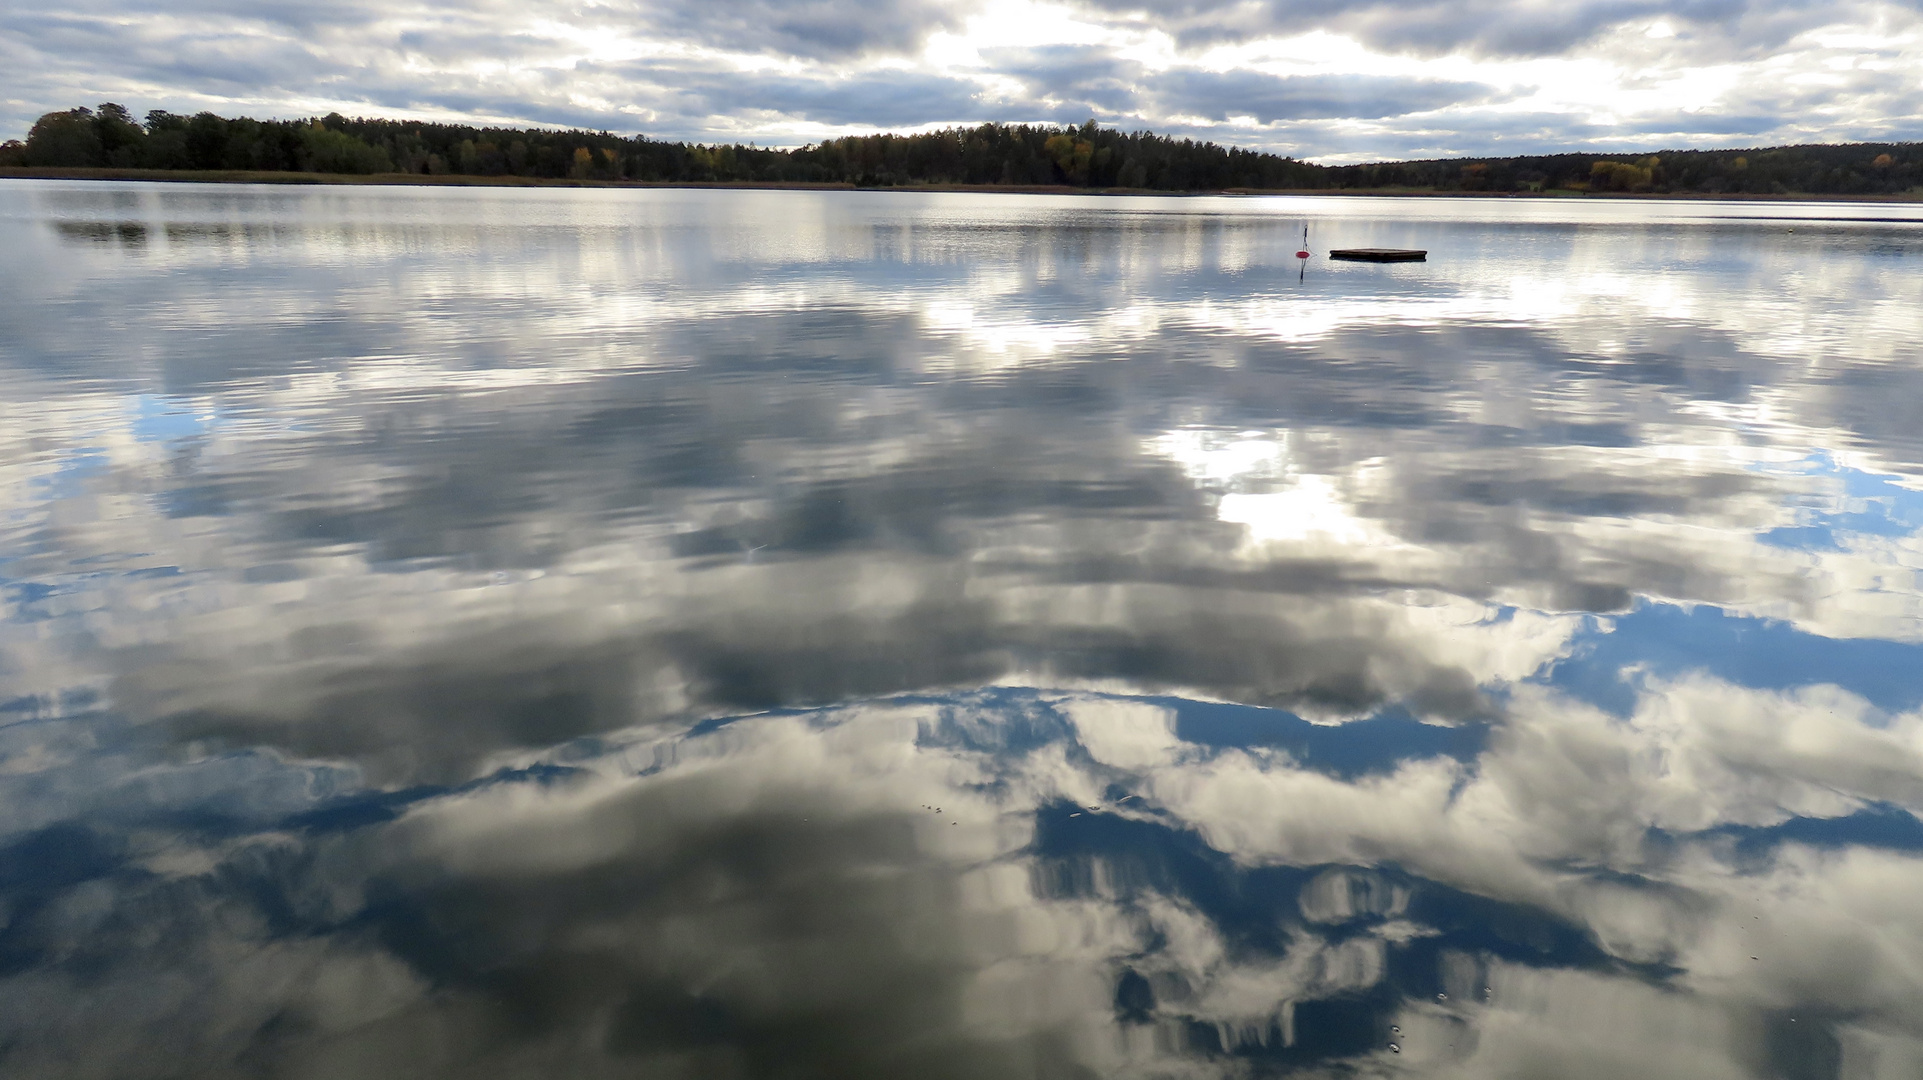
750, 634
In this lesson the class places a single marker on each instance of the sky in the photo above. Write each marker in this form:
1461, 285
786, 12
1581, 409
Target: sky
1330, 80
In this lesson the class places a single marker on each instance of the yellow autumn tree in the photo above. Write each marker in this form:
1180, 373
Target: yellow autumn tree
1619, 176
1071, 155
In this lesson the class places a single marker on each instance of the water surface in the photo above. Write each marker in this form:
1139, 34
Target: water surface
769, 634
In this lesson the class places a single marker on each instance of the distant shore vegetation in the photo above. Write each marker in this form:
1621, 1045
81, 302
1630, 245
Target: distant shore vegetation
989, 154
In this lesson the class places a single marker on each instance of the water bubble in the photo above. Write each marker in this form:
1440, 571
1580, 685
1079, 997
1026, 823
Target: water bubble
1442, 997
1394, 1030
1394, 1049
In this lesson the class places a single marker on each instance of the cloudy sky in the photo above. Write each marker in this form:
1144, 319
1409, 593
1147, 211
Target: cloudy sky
1332, 79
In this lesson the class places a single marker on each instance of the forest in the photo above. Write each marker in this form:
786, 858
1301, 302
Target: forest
989, 154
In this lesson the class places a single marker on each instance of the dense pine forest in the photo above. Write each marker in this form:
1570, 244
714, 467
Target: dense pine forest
1008, 154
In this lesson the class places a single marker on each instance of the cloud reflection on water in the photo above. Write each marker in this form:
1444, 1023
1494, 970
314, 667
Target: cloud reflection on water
779, 888
449, 631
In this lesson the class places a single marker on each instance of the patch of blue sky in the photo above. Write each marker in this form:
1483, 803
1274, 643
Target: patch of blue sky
153, 418
21, 598
1014, 721
354, 808
1258, 909
69, 478
1878, 825
163, 419
1374, 744
1611, 656
1858, 503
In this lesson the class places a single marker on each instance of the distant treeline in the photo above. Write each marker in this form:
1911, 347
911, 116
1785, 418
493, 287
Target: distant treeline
1014, 154
1087, 156
1842, 169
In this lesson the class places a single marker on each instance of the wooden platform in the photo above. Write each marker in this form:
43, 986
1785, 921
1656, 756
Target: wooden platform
1380, 255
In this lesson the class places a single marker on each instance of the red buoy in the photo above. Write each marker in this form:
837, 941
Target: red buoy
1301, 254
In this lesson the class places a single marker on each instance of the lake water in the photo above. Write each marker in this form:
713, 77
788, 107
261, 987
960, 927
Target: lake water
494, 633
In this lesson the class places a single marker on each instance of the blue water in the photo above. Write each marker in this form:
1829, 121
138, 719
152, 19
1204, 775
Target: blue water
465, 632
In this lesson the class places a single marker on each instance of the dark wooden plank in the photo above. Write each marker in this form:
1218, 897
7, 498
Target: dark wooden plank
1380, 254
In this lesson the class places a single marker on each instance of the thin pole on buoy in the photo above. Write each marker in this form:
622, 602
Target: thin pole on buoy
1303, 255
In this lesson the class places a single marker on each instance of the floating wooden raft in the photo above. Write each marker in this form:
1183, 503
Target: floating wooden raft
1380, 255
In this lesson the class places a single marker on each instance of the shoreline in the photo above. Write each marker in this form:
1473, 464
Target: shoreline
244, 176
